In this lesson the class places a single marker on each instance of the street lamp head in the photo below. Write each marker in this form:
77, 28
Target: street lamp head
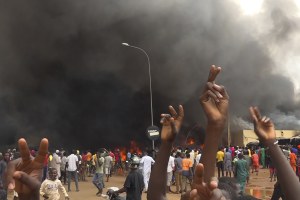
125, 44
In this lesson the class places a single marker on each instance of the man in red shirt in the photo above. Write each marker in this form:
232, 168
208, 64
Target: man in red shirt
293, 159
255, 162
45, 167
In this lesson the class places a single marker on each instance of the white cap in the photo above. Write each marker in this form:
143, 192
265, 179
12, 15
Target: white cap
57, 151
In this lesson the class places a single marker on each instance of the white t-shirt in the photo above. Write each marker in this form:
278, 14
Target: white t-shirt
108, 161
171, 164
192, 156
198, 157
147, 161
72, 159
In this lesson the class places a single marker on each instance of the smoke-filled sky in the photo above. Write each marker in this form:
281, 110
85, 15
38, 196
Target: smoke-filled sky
64, 74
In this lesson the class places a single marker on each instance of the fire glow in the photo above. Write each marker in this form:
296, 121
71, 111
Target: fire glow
133, 149
190, 141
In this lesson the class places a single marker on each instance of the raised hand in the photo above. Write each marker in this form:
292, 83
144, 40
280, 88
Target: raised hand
265, 130
263, 126
25, 173
201, 190
215, 100
171, 123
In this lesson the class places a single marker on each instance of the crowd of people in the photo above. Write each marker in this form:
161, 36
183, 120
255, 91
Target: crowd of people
33, 174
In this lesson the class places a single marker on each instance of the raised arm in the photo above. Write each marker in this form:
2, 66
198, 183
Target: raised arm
214, 101
171, 126
265, 130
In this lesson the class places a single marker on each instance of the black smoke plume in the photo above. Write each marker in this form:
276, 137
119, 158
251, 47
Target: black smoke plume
64, 74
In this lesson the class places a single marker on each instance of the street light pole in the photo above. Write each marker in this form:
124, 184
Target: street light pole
150, 80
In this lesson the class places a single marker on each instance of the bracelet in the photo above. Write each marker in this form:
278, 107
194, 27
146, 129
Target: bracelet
276, 142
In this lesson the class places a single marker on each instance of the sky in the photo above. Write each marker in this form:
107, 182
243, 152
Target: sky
64, 74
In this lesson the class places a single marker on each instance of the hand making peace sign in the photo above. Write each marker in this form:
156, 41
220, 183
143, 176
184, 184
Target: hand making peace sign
171, 123
25, 173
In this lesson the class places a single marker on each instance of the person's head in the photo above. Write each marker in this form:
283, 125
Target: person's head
240, 156
101, 152
16, 155
134, 162
52, 174
187, 155
149, 151
32, 152
229, 187
246, 152
6, 157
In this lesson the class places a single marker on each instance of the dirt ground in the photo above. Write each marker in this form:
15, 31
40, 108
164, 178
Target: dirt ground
259, 186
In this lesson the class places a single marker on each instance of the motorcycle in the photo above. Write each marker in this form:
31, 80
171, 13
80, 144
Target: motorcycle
112, 195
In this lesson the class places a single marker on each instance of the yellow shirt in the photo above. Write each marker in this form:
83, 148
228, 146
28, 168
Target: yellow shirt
220, 156
94, 159
249, 151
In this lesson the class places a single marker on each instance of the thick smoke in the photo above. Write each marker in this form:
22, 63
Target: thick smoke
64, 74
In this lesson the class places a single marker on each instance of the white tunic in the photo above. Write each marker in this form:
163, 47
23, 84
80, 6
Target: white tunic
171, 164
147, 162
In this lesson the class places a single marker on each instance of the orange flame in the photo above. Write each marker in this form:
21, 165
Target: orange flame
190, 141
134, 147
123, 153
201, 146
